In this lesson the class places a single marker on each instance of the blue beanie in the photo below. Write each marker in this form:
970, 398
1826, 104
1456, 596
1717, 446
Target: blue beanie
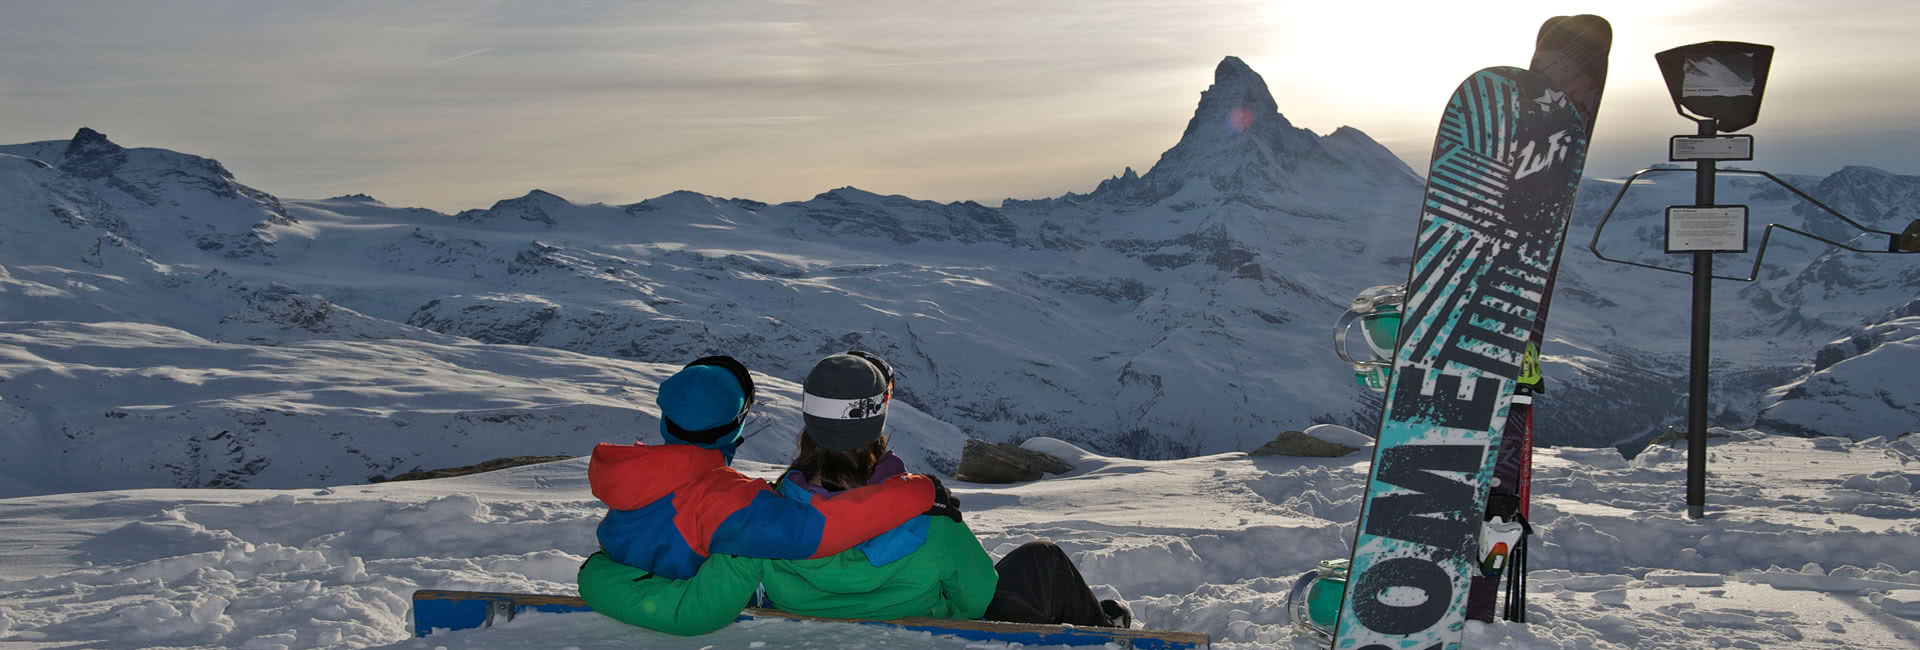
701, 397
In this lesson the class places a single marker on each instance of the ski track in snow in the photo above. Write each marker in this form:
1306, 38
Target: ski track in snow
1808, 544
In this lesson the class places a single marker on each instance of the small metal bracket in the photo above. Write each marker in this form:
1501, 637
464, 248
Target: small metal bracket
499, 610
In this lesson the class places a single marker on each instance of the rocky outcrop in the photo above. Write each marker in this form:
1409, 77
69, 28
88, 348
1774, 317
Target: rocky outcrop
489, 466
989, 462
91, 155
1298, 443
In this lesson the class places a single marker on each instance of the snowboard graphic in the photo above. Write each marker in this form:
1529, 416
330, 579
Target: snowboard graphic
1505, 165
1571, 52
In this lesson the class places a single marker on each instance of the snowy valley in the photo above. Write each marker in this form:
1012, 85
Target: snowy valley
1182, 311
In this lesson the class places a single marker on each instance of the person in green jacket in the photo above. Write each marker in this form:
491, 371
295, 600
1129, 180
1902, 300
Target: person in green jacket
932, 566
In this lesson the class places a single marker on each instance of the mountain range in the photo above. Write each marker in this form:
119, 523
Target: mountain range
167, 325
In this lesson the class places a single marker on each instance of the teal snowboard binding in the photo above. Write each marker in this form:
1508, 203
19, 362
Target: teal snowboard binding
1377, 310
1314, 601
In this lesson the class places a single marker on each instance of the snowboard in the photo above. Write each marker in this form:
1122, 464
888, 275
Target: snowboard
1571, 52
1506, 162
444, 610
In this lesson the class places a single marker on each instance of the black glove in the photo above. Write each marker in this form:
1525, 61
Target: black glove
941, 494
944, 503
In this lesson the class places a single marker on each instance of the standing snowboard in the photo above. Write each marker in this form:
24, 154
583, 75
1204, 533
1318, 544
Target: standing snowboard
1571, 52
1491, 229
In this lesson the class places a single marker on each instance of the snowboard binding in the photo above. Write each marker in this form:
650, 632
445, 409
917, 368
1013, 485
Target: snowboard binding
1377, 310
1314, 601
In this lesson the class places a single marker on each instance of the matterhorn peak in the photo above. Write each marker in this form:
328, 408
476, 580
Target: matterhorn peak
1239, 144
1237, 86
1232, 67
1237, 100
91, 155
1237, 140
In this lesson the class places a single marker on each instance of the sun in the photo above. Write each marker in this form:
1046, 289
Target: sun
1393, 64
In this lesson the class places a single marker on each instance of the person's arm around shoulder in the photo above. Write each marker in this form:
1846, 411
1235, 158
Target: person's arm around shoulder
766, 524
708, 601
970, 579
862, 513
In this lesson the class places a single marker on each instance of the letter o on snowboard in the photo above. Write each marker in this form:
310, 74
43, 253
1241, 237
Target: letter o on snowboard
1401, 572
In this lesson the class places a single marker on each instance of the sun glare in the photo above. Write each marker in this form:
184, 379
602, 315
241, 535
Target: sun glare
1364, 59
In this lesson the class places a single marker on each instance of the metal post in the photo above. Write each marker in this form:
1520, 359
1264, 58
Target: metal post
1702, 328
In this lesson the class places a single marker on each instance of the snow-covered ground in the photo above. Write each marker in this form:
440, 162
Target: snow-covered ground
1809, 543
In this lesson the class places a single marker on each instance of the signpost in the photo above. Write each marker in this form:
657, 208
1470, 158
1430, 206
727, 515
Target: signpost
1718, 85
1721, 82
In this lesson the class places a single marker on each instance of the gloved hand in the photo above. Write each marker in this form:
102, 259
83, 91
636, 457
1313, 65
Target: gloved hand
944, 503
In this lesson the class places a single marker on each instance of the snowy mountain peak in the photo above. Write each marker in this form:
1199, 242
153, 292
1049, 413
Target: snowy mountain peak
1237, 100
691, 203
1868, 171
848, 193
1231, 67
1870, 195
1236, 85
1242, 146
87, 139
1360, 150
536, 206
166, 203
91, 155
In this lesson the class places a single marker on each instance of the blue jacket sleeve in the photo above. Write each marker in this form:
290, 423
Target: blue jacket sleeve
770, 526
900, 542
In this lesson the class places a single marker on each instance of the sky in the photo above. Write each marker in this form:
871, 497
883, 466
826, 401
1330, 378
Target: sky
453, 105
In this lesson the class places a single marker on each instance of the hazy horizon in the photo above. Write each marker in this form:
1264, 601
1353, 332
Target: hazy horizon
453, 106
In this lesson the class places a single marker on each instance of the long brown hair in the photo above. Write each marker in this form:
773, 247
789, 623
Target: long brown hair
837, 470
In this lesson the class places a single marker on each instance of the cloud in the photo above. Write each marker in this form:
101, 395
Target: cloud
456, 59
767, 120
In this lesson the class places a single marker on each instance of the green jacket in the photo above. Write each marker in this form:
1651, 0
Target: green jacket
951, 576
708, 601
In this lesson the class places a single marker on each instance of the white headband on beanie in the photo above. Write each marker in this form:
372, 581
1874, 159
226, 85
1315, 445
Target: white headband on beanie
843, 409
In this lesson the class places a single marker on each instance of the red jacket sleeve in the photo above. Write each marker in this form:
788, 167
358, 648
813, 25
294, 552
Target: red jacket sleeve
741, 515
860, 514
